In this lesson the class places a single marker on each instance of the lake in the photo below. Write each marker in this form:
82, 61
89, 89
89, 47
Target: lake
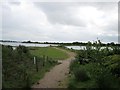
27, 44
84, 47
76, 47
46, 45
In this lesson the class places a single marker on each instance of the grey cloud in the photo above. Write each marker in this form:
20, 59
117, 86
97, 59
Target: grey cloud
107, 38
105, 6
15, 3
112, 27
59, 13
62, 23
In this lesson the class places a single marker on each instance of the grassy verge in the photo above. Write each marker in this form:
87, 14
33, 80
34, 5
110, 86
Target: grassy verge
48, 51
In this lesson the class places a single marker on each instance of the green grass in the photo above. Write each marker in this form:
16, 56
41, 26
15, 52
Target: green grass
48, 51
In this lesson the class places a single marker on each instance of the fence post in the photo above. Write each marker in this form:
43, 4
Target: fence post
43, 60
47, 58
34, 60
36, 65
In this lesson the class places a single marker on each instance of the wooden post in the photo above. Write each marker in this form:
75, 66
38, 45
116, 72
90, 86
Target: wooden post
47, 58
34, 60
43, 60
36, 65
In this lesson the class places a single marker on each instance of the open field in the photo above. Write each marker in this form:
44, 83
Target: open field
51, 52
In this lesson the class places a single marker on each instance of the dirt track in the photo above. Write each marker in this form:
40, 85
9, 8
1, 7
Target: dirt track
56, 77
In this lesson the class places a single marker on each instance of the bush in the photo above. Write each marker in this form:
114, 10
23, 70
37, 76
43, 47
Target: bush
80, 74
102, 68
106, 80
113, 64
71, 86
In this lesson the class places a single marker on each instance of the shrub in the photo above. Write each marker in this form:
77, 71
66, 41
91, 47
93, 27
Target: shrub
106, 80
71, 86
74, 64
113, 64
80, 74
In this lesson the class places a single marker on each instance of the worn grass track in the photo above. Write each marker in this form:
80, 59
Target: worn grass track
56, 77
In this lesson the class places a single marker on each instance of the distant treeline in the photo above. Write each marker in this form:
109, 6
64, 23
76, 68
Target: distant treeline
74, 43
8, 41
66, 44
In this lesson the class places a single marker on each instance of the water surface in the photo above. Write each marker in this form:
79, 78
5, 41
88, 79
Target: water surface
27, 44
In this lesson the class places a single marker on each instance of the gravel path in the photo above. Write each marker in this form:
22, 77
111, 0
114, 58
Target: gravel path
56, 77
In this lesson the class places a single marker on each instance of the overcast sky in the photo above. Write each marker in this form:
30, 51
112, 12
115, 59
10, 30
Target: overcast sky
60, 21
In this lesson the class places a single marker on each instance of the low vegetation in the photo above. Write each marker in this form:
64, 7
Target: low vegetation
19, 69
96, 68
92, 68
